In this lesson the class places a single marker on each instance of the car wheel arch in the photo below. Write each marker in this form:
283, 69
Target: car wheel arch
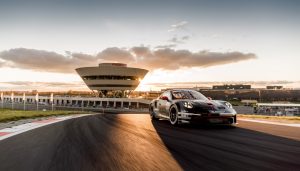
178, 106
152, 113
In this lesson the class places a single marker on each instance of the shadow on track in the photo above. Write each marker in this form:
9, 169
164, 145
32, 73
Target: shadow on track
74, 144
197, 147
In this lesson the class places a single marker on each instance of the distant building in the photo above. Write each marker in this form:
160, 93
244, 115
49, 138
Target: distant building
177, 88
112, 79
274, 87
261, 95
231, 87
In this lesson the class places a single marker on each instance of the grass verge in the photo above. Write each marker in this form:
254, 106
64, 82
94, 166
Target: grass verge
13, 115
283, 119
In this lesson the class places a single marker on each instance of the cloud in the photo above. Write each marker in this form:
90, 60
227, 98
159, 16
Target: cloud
139, 56
115, 54
170, 59
177, 26
29, 85
175, 40
179, 40
41, 60
165, 46
140, 51
185, 37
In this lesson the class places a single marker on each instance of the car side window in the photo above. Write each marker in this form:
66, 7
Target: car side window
179, 95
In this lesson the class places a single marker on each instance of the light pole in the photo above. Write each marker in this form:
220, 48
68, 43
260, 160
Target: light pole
37, 101
24, 101
82, 103
51, 101
12, 100
2, 100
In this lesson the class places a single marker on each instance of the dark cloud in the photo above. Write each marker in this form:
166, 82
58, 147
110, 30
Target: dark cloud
140, 56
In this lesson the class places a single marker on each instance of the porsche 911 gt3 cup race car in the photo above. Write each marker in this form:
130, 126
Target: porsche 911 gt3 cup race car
189, 106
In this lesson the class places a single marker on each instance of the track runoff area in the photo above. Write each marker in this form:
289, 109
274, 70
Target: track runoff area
134, 142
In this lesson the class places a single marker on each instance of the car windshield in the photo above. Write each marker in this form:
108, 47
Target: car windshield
188, 94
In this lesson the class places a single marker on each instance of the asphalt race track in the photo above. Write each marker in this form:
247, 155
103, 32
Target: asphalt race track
133, 142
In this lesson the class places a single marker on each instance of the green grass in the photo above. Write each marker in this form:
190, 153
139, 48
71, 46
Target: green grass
294, 119
13, 115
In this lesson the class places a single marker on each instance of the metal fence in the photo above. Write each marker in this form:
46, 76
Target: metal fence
47, 107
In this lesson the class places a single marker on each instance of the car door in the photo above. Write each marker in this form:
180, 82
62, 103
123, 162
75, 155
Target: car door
160, 104
164, 105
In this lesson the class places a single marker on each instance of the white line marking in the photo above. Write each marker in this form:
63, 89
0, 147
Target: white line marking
269, 122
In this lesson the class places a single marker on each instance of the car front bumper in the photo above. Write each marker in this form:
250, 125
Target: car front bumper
214, 118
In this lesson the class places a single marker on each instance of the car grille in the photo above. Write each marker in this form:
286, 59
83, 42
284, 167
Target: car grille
213, 114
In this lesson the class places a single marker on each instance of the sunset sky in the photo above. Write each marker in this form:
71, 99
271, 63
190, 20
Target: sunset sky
197, 42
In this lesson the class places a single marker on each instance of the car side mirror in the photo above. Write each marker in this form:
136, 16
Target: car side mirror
164, 98
209, 98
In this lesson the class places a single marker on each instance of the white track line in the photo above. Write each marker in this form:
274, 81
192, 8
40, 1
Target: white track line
15, 130
269, 122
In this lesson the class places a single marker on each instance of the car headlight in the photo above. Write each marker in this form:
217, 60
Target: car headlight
188, 105
228, 104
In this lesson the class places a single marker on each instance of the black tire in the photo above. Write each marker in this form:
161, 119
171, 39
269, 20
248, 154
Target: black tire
173, 115
152, 113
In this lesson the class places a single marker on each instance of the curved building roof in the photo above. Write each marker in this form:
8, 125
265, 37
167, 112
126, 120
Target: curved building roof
111, 76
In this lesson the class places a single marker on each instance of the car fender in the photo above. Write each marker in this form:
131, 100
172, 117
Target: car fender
179, 105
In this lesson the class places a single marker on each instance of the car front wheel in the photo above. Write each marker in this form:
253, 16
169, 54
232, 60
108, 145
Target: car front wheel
173, 114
